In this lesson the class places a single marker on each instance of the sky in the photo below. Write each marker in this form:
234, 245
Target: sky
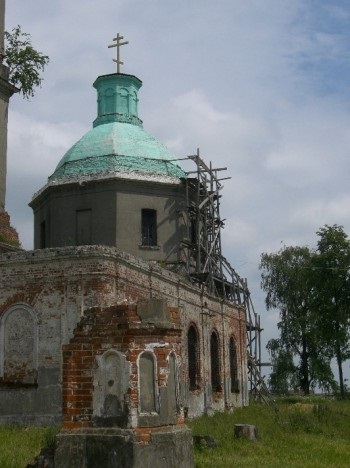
260, 87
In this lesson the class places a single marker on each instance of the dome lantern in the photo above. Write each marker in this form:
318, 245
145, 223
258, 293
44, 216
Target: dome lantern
117, 99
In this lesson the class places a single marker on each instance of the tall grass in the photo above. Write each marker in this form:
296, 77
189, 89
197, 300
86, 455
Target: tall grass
20, 445
306, 433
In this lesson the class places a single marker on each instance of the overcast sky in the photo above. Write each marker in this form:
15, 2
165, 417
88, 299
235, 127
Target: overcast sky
260, 86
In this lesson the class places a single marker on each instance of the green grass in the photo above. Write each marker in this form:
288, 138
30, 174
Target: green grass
305, 433
20, 445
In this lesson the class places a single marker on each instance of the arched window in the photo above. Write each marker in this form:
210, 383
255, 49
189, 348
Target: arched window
193, 357
147, 379
109, 101
233, 366
215, 362
19, 345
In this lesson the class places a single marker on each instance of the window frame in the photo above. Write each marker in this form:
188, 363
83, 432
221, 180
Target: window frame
149, 234
215, 367
233, 359
193, 359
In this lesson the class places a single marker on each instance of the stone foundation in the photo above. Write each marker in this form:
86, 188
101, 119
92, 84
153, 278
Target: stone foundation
169, 447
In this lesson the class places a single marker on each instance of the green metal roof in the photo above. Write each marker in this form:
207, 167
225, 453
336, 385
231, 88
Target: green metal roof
117, 143
117, 147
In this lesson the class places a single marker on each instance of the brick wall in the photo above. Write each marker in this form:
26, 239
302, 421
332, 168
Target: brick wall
119, 328
8, 234
59, 285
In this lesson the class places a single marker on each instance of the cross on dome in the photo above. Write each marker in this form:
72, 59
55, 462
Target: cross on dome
118, 43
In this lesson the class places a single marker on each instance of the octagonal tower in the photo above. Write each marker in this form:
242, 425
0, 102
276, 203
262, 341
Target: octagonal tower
117, 186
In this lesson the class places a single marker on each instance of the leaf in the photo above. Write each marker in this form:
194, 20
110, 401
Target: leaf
24, 62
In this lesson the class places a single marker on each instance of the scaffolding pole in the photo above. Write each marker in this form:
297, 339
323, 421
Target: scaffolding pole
208, 268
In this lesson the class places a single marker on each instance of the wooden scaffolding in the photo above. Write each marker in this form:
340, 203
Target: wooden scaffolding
207, 267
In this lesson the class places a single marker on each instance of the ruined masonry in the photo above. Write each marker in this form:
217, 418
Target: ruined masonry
109, 327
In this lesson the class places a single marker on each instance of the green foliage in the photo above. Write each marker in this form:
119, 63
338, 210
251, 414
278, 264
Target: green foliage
297, 356
332, 283
49, 437
283, 378
24, 62
306, 432
311, 289
4, 239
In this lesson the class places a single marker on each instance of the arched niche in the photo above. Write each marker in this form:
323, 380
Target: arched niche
123, 101
111, 380
147, 383
109, 101
19, 345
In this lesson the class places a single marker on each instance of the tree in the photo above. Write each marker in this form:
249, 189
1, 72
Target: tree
283, 376
287, 278
24, 62
332, 284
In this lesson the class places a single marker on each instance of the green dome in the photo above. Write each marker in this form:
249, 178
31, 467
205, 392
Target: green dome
117, 143
117, 147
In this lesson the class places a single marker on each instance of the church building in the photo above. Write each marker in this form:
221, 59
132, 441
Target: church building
125, 314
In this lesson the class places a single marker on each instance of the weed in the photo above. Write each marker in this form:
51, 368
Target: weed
49, 437
20, 445
305, 432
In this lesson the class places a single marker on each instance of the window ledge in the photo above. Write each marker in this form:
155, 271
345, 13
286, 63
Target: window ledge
149, 247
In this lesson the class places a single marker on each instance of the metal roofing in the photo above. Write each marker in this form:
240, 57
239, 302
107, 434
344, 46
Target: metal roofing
118, 147
117, 143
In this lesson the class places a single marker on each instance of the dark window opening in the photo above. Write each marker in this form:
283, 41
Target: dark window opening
233, 366
149, 227
215, 362
43, 235
193, 357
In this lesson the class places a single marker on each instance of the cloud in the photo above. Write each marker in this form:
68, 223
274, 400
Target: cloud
260, 87
322, 211
38, 144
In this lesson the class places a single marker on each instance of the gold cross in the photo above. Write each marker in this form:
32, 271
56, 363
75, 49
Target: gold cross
117, 45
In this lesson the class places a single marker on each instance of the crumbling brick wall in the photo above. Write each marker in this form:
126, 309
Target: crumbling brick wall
119, 328
59, 285
8, 234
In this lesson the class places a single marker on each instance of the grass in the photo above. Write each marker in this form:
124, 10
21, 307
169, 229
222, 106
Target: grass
20, 445
304, 433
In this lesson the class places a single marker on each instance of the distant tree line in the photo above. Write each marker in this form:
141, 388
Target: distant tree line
311, 290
